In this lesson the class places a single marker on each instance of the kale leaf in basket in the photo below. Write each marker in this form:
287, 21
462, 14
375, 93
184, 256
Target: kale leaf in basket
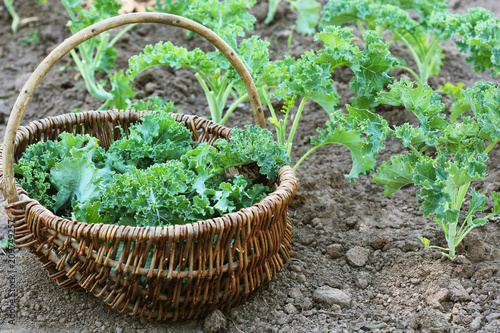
153, 176
156, 139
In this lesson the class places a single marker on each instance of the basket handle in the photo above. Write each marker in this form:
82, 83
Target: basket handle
91, 31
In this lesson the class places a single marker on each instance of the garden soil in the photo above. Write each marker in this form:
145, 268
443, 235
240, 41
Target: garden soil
357, 264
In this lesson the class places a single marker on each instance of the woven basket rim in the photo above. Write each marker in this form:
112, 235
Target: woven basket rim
286, 180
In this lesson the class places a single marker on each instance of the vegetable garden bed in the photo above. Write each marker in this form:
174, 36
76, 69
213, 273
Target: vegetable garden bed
346, 236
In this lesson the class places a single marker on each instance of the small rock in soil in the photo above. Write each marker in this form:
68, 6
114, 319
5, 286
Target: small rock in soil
476, 324
330, 296
336, 308
301, 278
357, 256
305, 304
296, 268
150, 88
48, 34
435, 299
291, 309
457, 291
410, 246
432, 320
214, 322
351, 221
260, 11
493, 316
362, 280
306, 238
380, 240
335, 250
295, 293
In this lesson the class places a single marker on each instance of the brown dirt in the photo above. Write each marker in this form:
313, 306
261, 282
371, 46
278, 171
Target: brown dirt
399, 287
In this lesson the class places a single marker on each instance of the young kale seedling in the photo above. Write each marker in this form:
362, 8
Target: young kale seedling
310, 77
444, 156
9, 5
216, 76
418, 36
479, 29
98, 53
227, 18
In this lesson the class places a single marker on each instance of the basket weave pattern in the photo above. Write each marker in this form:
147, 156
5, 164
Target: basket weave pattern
194, 268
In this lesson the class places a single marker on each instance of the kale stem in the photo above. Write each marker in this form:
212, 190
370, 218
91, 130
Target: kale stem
214, 113
490, 146
295, 124
419, 155
92, 88
100, 49
121, 33
438, 248
9, 4
290, 36
269, 104
233, 107
444, 227
305, 156
451, 239
414, 54
361, 28
429, 62
411, 71
462, 191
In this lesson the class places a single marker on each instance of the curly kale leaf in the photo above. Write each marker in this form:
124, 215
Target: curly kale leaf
155, 103
176, 7
484, 100
421, 36
421, 100
156, 139
33, 167
396, 173
481, 37
154, 196
43, 169
440, 180
307, 78
245, 146
169, 55
369, 65
361, 131
307, 15
460, 104
121, 92
167, 194
227, 18
373, 13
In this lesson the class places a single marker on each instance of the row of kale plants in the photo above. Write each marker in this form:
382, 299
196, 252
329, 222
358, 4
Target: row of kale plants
443, 154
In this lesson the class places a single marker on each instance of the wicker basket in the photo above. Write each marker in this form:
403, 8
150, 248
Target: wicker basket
194, 268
